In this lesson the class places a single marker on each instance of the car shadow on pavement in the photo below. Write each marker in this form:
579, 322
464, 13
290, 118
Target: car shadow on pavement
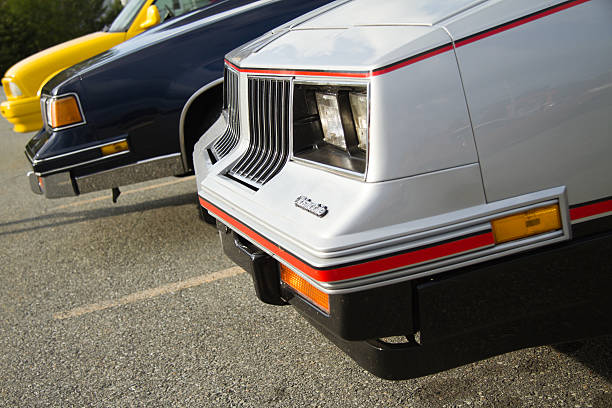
68, 217
595, 353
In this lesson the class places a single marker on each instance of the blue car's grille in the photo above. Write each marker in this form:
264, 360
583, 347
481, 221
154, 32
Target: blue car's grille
269, 130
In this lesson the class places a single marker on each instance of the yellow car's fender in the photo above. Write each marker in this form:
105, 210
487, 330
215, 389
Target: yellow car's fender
23, 82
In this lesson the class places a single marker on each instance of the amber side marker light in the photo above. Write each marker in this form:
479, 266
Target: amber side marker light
304, 288
115, 148
525, 224
64, 112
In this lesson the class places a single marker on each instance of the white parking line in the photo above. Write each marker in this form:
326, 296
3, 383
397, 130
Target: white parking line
149, 293
108, 197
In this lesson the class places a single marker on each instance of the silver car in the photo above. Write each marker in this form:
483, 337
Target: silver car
428, 182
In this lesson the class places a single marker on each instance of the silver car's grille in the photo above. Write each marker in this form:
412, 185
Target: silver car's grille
230, 138
269, 126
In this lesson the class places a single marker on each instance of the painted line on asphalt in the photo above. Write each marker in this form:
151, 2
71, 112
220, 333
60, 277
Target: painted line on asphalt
149, 293
109, 197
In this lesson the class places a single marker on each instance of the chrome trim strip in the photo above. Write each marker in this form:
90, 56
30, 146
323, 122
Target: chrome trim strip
33, 179
444, 224
438, 235
440, 265
85, 162
29, 157
169, 165
471, 258
35, 162
591, 218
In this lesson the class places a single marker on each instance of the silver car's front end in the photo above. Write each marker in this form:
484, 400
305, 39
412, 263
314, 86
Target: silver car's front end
410, 210
352, 174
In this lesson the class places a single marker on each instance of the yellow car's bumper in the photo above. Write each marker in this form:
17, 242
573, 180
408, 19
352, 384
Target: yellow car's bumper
24, 114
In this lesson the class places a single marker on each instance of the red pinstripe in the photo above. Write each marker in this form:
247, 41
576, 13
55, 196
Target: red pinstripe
410, 61
361, 269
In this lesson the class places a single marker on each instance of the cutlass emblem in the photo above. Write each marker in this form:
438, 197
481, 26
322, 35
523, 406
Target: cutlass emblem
306, 204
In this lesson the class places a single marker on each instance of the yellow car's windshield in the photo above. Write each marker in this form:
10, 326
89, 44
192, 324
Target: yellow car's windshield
128, 14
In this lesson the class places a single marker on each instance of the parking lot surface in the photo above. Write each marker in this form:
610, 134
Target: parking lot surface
133, 304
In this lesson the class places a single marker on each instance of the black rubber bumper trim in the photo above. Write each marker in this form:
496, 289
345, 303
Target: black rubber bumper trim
555, 295
262, 267
548, 295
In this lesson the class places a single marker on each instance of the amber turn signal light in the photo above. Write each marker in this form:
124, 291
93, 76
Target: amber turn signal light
319, 298
114, 148
64, 111
525, 224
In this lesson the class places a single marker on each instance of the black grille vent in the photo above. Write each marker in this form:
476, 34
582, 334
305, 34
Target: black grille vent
269, 126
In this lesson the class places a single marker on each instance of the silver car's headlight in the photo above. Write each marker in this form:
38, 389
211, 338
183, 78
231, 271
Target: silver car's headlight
330, 126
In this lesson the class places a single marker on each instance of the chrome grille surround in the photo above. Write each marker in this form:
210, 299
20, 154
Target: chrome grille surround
229, 140
268, 151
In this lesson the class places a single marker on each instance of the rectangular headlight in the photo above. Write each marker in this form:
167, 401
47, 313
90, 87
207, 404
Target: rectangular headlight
330, 126
329, 115
359, 107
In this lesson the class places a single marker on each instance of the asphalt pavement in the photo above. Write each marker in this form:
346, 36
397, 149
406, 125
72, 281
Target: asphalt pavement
134, 304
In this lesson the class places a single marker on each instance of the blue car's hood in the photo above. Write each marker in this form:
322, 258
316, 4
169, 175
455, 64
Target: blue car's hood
167, 31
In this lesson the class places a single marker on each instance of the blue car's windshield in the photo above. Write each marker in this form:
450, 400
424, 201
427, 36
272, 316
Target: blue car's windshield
175, 8
167, 9
128, 14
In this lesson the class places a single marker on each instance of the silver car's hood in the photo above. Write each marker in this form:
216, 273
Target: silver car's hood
388, 12
351, 49
355, 35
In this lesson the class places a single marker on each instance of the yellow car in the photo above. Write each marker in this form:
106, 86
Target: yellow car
23, 81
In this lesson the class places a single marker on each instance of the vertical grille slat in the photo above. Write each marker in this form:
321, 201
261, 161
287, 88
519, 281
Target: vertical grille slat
260, 132
269, 143
273, 151
229, 140
239, 167
284, 131
264, 130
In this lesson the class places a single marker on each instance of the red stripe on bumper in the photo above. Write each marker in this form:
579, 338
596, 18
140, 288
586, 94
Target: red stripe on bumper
361, 269
590, 210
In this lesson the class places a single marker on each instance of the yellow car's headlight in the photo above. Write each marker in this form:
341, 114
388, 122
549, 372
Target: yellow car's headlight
63, 111
14, 89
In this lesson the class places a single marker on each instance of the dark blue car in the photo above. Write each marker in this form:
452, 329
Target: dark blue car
134, 112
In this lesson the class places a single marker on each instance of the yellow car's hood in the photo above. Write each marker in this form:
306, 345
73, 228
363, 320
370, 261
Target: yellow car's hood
30, 73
